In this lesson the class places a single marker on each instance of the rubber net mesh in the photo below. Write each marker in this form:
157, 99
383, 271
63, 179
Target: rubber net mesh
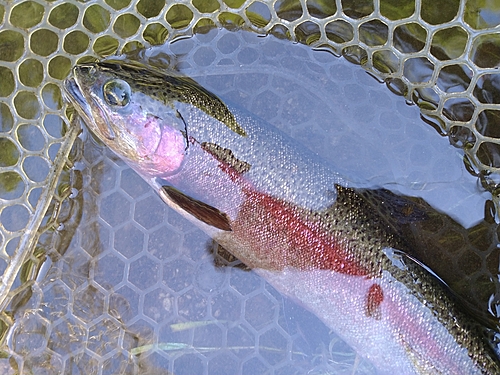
442, 56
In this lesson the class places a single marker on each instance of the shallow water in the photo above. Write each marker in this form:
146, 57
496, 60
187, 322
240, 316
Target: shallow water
134, 270
370, 136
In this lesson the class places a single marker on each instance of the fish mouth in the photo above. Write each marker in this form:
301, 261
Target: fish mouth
74, 95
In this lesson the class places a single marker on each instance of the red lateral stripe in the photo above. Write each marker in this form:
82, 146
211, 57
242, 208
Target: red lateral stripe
278, 228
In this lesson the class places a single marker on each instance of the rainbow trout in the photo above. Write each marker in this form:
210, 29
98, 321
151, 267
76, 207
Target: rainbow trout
285, 214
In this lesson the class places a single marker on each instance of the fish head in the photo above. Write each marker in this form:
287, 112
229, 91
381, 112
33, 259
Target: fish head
120, 108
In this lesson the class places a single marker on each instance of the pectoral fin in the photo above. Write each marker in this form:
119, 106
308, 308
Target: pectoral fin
226, 156
200, 210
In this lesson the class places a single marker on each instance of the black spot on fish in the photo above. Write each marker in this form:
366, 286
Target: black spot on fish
202, 211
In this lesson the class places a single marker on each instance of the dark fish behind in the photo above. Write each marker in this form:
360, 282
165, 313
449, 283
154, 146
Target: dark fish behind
283, 213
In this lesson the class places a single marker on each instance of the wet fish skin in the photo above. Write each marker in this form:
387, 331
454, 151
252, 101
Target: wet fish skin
283, 213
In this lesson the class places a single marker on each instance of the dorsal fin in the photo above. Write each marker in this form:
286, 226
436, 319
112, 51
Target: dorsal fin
225, 155
202, 211
382, 204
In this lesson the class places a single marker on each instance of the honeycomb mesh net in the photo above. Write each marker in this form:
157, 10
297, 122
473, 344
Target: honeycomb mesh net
87, 311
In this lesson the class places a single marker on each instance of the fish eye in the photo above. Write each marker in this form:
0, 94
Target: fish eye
116, 92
